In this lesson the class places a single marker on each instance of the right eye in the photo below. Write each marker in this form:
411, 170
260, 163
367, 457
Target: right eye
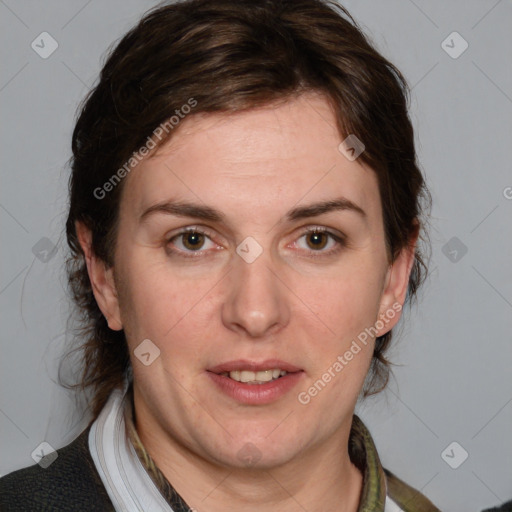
191, 241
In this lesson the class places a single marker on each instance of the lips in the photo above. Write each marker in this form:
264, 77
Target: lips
258, 392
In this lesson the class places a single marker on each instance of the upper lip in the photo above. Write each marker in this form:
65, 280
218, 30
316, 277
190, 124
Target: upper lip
244, 364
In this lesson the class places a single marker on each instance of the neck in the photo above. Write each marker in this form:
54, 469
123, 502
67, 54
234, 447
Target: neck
321, 479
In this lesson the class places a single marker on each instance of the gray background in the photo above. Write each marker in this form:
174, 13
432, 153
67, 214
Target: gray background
455, 351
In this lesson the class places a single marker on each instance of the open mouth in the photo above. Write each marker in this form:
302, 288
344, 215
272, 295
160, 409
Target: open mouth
255, 382
251, 377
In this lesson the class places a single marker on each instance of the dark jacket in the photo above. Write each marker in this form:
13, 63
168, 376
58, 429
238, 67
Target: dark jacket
71, 483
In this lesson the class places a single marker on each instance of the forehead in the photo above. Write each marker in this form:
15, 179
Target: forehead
267, 158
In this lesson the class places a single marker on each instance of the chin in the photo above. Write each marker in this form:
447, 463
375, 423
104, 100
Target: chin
257, 454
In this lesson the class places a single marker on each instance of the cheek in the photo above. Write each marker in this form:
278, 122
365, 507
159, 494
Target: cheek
158, 304
345, 302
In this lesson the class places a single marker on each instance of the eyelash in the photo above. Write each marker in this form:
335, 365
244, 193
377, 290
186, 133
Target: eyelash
340, 242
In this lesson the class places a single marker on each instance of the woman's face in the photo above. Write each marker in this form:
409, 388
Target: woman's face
282, 266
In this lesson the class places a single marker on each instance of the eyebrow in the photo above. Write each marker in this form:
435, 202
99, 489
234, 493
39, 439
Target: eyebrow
316, 209
185, 209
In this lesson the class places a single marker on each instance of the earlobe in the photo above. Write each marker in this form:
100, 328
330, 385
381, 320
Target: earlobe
102, 279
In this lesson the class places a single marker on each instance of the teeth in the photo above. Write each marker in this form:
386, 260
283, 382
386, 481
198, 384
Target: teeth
260, 377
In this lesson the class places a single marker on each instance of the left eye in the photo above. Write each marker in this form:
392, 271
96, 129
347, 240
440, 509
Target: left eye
317, 240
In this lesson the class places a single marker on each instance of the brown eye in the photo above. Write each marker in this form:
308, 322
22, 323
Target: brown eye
317, 240
193, 240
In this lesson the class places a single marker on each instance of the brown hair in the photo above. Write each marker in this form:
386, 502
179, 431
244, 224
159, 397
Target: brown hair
228, 56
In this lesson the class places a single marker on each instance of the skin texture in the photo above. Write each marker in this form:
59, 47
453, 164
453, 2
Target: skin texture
214, 307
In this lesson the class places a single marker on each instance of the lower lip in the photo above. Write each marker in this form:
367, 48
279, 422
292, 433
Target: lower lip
256, 394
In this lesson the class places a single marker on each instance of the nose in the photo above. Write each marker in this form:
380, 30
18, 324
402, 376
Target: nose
257, 303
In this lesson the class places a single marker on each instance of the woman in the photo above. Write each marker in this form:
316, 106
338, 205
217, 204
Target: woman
245, 209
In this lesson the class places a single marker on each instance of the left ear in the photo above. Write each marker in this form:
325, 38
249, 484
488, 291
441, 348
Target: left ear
396, 284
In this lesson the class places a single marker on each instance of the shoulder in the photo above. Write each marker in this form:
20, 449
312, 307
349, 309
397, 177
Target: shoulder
70, 482
406, 497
